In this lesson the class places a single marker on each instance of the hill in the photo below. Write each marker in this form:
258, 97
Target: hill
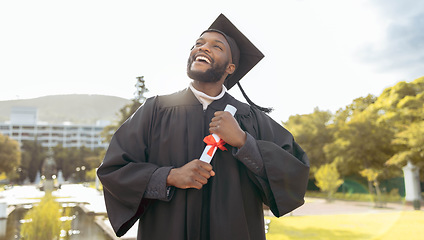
76, 108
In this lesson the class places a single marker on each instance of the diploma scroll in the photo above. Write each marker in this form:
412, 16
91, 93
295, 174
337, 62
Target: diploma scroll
210, 149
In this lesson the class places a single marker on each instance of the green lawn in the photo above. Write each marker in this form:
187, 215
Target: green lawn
375, 226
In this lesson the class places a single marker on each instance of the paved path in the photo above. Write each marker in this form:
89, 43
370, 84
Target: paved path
319, 206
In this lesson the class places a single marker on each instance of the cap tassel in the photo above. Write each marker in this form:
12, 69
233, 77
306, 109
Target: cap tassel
267, 110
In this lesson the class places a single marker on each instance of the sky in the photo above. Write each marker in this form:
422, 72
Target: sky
318, 53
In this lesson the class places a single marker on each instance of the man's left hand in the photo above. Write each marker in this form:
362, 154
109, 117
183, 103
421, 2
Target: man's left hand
226, 127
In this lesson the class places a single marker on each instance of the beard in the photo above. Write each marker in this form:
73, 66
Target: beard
212, 75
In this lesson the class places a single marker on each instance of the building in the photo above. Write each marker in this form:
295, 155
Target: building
23, 125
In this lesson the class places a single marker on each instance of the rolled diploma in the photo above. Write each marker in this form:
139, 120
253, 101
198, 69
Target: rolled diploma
205, 157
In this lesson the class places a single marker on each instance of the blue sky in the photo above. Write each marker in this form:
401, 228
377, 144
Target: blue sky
317, 53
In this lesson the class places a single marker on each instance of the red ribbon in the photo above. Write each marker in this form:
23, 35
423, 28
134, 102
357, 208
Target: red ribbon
210, 141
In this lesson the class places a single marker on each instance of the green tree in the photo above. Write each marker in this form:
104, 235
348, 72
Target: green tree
360, 142
312, 133
412, 142
33, 155
76, 162
42, 222
10, 156
60, 155
372, 177
402, 108
328, 179
402, 104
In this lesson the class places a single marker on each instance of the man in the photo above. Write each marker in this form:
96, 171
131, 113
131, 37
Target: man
152, 170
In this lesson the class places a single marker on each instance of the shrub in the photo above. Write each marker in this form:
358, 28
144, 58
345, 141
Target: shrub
42, 222
328, 179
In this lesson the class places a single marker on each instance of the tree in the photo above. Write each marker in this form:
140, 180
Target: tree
33, 155
360, 141
126, 111
77, 162
60, 155
412, 140
402, 108
10, 155
328, 179
43, 222
372, 177
312, 133
401, 104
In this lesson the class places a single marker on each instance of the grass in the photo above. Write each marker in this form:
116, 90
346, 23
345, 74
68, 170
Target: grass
363, 197
373, 226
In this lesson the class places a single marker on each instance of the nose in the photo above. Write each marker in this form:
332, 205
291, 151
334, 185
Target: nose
205, 47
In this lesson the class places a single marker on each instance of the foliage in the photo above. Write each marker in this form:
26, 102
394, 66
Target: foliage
128, 110
47, 220
370, 174
75, 162
372, 178
402, 107
413, 140
91, 175
33, 155
311, 132
360, 142
42, 222
10, 155
381, 133
328, 179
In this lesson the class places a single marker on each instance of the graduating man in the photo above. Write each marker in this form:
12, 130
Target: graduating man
152, 172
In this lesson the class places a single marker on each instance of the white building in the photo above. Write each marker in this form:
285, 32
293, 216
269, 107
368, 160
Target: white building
23, 125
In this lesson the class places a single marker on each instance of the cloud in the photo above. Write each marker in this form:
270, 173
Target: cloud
402, 47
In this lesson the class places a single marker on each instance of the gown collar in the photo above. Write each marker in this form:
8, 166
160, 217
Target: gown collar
220, 104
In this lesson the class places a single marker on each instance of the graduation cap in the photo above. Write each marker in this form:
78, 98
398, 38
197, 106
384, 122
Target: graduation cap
244, 54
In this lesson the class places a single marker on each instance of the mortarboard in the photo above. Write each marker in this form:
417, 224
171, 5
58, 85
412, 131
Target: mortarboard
245, 55
249, 55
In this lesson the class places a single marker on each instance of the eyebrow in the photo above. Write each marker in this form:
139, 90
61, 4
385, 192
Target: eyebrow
219, 41
216, 40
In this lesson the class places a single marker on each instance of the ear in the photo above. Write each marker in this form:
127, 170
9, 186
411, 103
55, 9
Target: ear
230, 68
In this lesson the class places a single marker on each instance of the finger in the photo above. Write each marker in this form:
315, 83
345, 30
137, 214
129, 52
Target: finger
218, 113
201, 180
196, 185
207, 166
203, 173
214, 123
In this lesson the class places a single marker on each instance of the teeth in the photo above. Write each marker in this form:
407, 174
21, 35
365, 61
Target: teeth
201, 58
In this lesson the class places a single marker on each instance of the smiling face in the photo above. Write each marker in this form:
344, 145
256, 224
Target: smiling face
210, 58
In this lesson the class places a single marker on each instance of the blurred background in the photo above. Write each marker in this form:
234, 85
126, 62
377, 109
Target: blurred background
345, 77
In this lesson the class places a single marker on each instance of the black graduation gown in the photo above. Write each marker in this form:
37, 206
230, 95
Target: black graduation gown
169, 131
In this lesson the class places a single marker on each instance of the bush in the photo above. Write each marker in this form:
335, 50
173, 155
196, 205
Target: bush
328, 179
42, 222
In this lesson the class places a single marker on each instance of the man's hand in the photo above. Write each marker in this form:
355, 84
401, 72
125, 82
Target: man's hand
226, 127
194, 174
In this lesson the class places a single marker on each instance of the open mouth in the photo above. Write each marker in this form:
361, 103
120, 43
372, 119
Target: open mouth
203, 59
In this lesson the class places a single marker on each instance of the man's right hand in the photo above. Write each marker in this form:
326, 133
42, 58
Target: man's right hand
194, 174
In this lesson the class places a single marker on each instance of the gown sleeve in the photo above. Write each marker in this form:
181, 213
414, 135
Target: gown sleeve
286, 166
125, 171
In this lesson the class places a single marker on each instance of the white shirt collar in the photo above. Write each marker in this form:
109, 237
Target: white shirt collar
205, 99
